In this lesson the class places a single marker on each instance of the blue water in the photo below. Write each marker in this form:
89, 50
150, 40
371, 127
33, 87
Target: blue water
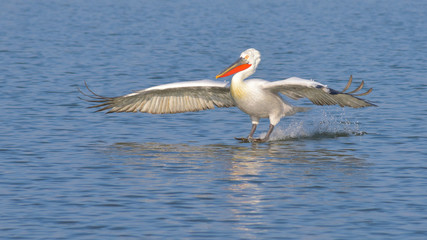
331, 173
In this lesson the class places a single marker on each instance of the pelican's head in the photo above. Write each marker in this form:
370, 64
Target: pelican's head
246, 64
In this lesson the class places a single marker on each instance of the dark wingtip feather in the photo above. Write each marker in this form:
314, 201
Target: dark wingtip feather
358, 88
348, 83
104, 103
365, 93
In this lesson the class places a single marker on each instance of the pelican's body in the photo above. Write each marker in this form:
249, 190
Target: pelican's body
251, 98
256, 97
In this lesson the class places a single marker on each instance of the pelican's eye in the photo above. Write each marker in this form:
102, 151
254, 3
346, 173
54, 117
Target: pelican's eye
247, 57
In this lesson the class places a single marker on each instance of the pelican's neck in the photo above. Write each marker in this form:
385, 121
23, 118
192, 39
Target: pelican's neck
240, 76
237, 87
237, 79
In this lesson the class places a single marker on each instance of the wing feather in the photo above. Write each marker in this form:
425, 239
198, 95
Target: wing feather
169, 98
318, 93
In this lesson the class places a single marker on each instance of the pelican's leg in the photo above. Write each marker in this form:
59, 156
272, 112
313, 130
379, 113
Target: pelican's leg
255, 121
267, 136
251, 134
270, 130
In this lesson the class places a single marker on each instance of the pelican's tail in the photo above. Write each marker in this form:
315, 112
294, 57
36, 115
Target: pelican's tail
297, 110
301, 109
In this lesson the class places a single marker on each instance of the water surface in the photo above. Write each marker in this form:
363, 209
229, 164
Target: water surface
331, 173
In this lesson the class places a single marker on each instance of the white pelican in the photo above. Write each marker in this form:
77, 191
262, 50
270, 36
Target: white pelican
256, 97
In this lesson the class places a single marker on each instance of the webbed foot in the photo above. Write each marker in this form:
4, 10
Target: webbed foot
243, 140
250, 140
259, 140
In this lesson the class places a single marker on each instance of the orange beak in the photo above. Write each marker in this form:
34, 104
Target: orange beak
240, 65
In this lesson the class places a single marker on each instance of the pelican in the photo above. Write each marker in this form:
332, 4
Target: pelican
256, 97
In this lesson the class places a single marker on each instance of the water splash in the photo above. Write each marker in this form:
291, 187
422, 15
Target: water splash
325, 125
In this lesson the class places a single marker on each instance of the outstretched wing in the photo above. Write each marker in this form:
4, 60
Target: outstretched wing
168, 98
318, 93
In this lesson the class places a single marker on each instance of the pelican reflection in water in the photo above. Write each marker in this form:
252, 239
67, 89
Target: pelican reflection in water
256, 97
